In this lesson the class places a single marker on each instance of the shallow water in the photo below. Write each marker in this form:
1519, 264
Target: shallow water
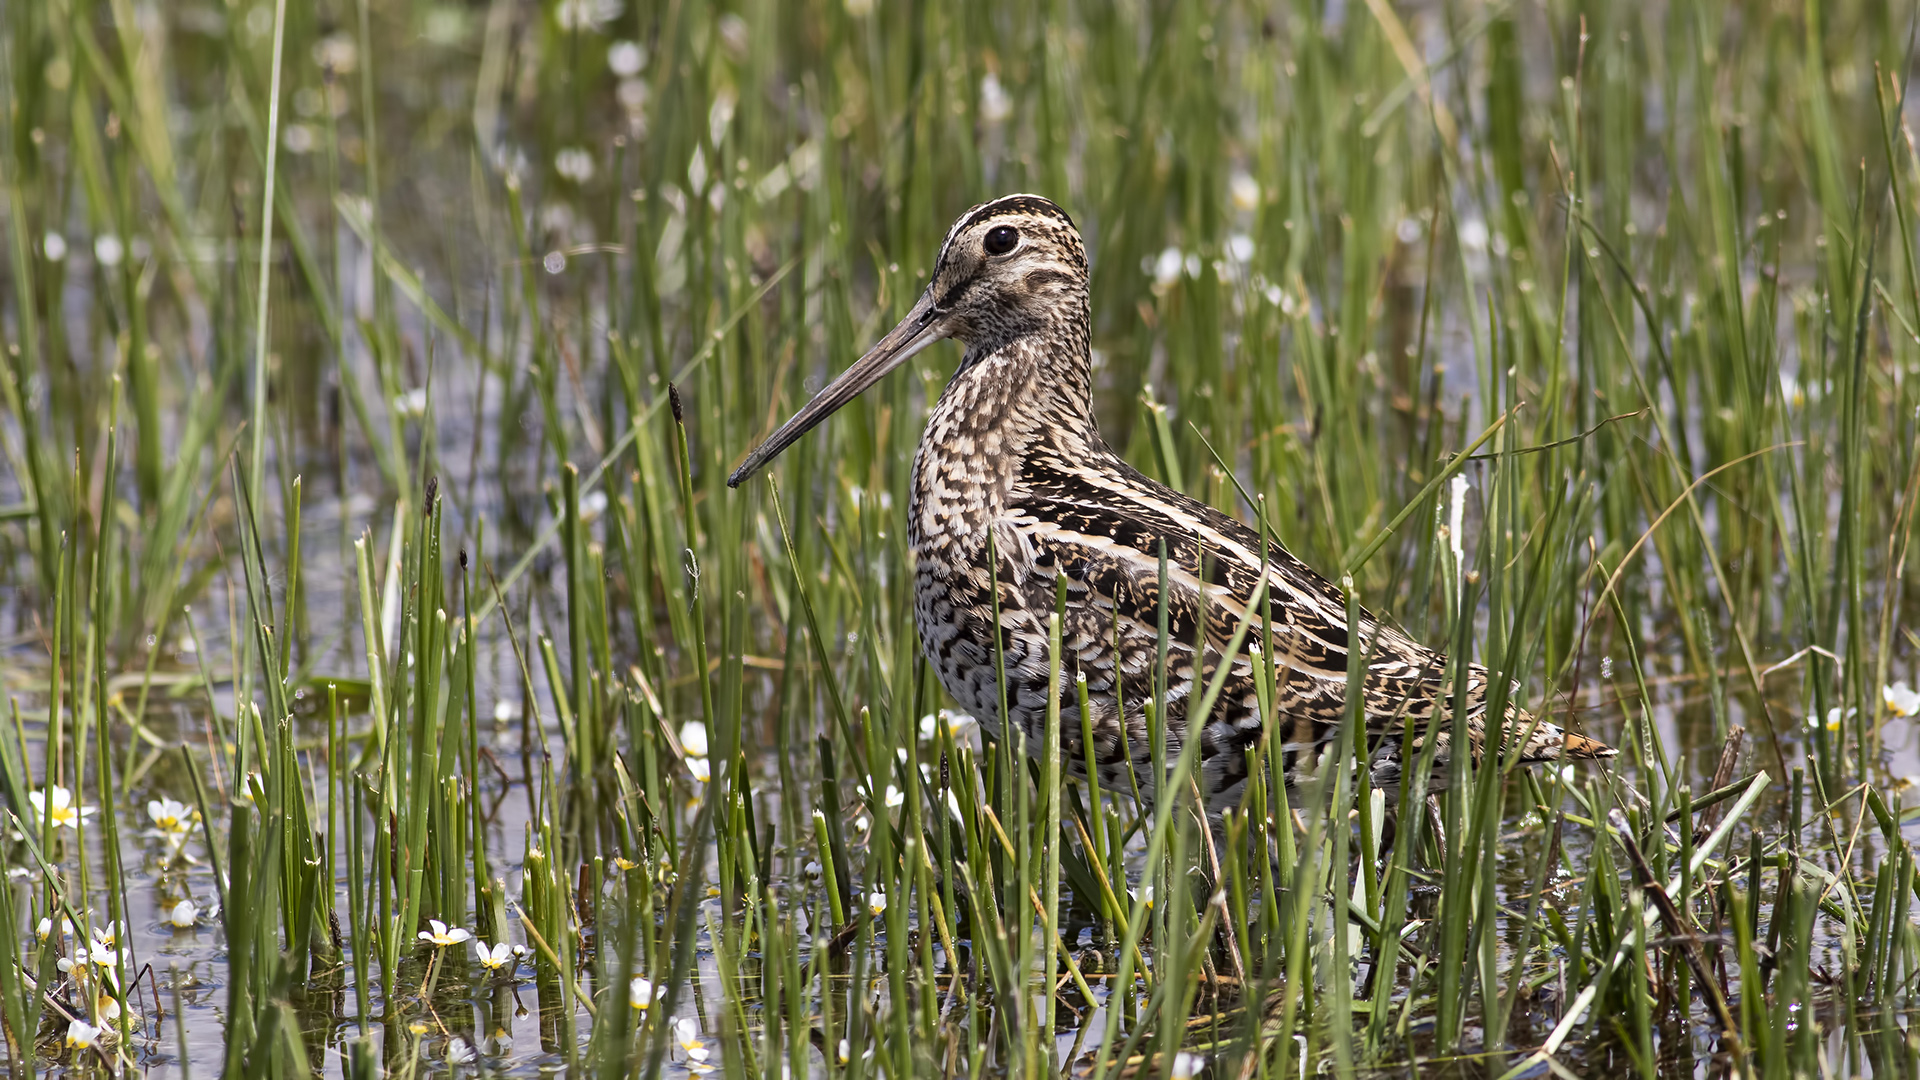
503, 1017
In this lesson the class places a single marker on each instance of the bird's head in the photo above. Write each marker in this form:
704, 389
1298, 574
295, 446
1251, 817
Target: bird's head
1008, 268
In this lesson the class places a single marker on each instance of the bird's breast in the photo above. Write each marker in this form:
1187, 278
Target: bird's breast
963, 471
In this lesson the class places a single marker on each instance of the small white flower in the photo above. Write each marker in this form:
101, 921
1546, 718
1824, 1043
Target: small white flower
895, 796
589, 15
183, 916
575, 164
1239, 249
1146, 894
701, 769
592, 505
104, 955
106, 1006
1187, 1066
460, 1051
640, 993
1473, 234
46, 927
1791, 392
81, 1035
171, 815
337, 53
876, 903
60, 807
1566, 774
632, 94
626, 58
504, 710
957, 724
54, 247
995, 105
495, 958
1244, 190
1166, 268
108, 935
108, 250
443, 935
693, 738
1901, 698
846, 1052
1832, 722
687, 1034
412, 403
299, 139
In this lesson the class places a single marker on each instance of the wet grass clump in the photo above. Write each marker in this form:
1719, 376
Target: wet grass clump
394, 687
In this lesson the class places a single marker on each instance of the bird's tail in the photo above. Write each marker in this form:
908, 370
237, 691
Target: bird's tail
1540, 741
1551, 742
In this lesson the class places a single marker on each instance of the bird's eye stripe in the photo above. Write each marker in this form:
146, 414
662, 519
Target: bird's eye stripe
946, 302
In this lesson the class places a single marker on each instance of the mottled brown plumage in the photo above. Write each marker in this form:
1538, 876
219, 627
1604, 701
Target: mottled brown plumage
1012, 466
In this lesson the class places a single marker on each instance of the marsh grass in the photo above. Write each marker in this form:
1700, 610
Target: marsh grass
374, 367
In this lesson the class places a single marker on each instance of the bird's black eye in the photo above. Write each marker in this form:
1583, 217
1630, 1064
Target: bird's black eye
1001, 238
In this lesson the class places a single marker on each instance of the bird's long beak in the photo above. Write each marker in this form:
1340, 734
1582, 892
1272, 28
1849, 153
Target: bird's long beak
918, 330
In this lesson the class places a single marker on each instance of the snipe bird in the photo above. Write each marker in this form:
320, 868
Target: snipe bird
1012, 453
